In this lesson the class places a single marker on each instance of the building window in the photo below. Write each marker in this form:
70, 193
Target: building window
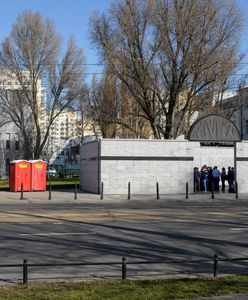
7, 141
246, 126
7, 166
7, 144
17, 145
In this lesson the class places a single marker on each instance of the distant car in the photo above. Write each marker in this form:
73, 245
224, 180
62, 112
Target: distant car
51, 172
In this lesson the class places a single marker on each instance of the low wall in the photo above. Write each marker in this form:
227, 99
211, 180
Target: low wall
143, 163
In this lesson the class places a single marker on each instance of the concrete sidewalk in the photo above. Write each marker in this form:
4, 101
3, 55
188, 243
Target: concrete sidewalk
69, 195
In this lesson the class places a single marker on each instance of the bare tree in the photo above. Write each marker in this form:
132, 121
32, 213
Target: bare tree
123, 42
52, 150
102, 105
168, 52
130, 124
31, 59
112, 111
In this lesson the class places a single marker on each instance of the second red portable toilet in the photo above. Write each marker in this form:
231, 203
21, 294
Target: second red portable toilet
19, 174
38, 175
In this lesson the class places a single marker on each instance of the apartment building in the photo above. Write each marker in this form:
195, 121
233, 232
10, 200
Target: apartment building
236, 108
65, 127
66, 132
9, 133
65, 138
9, 148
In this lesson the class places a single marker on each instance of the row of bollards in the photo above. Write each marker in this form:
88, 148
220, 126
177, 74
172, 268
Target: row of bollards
129, 191
157, 191
50, 191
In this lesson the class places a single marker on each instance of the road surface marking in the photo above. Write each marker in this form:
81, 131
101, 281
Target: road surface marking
239, 228
56, 233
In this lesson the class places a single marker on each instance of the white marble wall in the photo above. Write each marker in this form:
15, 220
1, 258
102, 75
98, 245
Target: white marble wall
213, 156
144, 174
171, 175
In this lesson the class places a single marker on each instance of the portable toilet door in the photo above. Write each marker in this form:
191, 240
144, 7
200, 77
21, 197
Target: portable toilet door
19, 174
38, 175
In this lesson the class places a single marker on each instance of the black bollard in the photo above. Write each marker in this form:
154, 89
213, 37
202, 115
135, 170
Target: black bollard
21, 198
187, 191
212, 190
128, 191
236, 190
124, 267
50, 192
25, 271
215, 265
75, 196
157, 187
101, 191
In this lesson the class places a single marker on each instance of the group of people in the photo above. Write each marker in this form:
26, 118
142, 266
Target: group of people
208, 178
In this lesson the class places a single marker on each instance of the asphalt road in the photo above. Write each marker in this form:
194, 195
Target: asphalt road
93, 230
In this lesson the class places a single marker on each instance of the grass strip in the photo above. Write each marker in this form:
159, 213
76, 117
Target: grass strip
56, 183
128, 290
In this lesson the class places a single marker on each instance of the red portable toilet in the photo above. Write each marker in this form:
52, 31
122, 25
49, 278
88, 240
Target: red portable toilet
38, 175
19, 174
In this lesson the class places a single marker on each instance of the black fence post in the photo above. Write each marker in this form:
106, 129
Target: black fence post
21, 198
128, 191
215, 265
50, 192
236, 190
101, 191
75, 195
157, 187
124, 267
212, 190
187, 191
25, 272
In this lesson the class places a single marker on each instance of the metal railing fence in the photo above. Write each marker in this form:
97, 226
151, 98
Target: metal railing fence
215, 262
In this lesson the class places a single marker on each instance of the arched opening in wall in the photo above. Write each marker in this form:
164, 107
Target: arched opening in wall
218, 153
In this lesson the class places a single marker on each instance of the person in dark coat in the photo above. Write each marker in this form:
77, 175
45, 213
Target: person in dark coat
210, 179
223, 178
197, 177
216, 178
230, 179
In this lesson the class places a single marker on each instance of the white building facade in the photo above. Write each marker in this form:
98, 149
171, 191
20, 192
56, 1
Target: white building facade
65, 126
143, 163
235, 107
